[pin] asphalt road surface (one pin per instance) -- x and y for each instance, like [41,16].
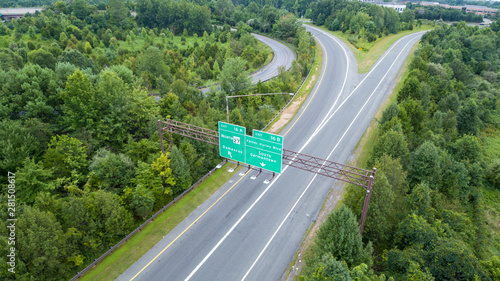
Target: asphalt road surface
[249,230]
[283,56]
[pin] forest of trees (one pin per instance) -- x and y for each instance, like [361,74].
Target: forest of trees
[426,219]
[99,4]
[368,22]
[79,125]
[79,130]
[364,21]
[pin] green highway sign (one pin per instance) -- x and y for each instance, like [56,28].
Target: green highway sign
[262,150]
[267,136]
[263,154]
[275,140]
[232,141]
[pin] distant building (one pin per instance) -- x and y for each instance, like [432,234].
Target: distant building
[398,7]
[15,13]
[429,3]
[480,10]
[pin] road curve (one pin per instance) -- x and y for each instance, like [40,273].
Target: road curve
[249,230]
[283,56]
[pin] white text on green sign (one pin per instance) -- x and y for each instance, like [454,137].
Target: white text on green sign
[263,154]
[263,144]
[267,136]
[232,141]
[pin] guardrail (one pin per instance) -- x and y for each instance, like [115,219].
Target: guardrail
[111,249]
[139,228]
[256,71]
[290,101]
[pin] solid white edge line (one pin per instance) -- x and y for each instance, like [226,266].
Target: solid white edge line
[242,217]
[343,102]
[329,155]
[265,191]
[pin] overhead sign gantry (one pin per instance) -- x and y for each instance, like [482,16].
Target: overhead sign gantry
[263,150]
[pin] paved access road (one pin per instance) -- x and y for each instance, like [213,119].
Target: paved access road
[249,230]
[283,56]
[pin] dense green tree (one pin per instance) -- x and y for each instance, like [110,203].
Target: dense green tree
[339,237]
[390,112]
[67,157]
[410,88]
[118,12]
[142,201]
[42,58]
[425,164]
[78,59]
[162,166]
[81,103]
[453,260]
[455,178]
[10,60]
[493,174]
[414,230]
[412,114]
[40,232]
[180,171]
[467,119]
[329,270]
[98,218]
[64,70]
[142,109]
[80,8]
[113,170]
[381,219]
[146,176]
[492,267]
[17,145]
[419,201]
[392,143]
[32,179]
[467,148]
[233,77]
[31,92]
[113,97]
[152,62]
[194,161]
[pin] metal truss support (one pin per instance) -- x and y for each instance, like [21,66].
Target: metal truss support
[338,171]
[184,129]
[367,201]
[327,168]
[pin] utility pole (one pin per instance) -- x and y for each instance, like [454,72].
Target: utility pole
[367,201]
[350,174]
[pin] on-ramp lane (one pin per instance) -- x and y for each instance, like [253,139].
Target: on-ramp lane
[283,57]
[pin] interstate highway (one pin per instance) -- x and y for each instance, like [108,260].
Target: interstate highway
[249,230]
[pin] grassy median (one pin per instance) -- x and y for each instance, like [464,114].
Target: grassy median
[116,263]
[361,155]
[291,111]
[367,56]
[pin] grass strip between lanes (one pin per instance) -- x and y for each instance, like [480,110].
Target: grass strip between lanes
[364,147]
[366,59]
[293,108]
[116,263]
[359,158]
